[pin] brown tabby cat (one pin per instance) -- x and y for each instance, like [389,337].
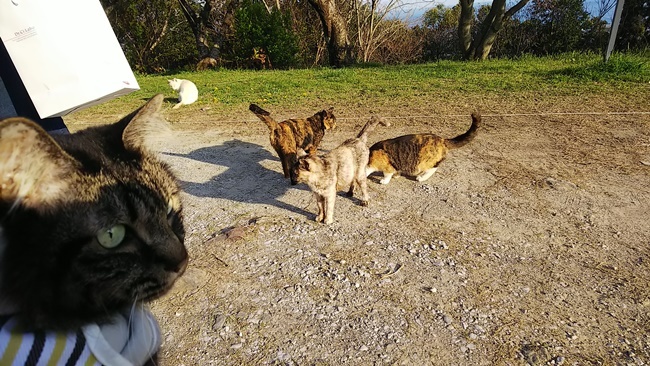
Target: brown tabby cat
[341,168]
[416,155]
[90,223]
[301,133]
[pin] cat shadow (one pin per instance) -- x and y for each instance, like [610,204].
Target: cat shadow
[245,178]
[376,177]
[173,100]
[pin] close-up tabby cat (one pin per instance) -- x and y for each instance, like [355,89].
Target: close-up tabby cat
[90,224]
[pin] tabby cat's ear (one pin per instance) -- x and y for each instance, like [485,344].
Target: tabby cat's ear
[146,127]
[34,169]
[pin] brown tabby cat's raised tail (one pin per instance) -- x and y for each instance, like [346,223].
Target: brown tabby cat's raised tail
[264,116]
[462,140]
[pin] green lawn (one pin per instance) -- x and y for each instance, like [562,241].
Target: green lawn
[624,81]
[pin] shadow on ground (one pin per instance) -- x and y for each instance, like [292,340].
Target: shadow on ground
[245,178]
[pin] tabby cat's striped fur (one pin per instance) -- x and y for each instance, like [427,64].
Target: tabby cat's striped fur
[90,223]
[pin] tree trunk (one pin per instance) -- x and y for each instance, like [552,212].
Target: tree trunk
[465,26]
[491,25]
[213,14]
[479,48]
[335,31]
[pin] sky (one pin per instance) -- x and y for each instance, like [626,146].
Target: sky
[416,8]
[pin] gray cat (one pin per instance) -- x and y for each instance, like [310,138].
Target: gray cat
[343,167]
[90,223]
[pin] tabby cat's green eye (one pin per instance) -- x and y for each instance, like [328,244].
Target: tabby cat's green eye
[111,237]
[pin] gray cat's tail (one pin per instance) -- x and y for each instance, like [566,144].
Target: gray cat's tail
[468,136]
[264,116]
[370,125]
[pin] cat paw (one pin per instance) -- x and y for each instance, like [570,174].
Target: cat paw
[364,203]
[328,221]
[384,181]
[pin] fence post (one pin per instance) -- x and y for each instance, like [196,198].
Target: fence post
[614,28]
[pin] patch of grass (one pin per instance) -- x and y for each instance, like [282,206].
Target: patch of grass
[225,91]
[624,68]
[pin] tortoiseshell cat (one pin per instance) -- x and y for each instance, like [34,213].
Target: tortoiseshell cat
[416,155]
[296,133]
[90,223]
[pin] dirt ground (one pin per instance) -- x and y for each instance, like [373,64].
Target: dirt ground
[530,245]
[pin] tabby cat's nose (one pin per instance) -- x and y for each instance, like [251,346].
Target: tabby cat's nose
[179,263]
[180,269]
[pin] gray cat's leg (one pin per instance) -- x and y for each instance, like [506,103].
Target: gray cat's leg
[320,202]
[363,184]
[329,208]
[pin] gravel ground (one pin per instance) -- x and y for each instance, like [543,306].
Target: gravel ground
[530,245]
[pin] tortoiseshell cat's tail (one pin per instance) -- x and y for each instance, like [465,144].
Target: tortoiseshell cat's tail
[468,136]
[264,116]
[370,125]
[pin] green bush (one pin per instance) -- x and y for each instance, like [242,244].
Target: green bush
[256,28]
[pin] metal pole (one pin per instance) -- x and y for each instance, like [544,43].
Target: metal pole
[614,28]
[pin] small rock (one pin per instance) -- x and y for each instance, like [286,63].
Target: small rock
[219,321]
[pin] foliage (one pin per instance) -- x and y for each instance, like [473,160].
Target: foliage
[440,26]
[256,28]
[177,49]
[559,25]
[517,37]
[401,46]
[546,27]
[595,35]
[157,36]
[380,37]
[151,33]
[634,30]
[312,49]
